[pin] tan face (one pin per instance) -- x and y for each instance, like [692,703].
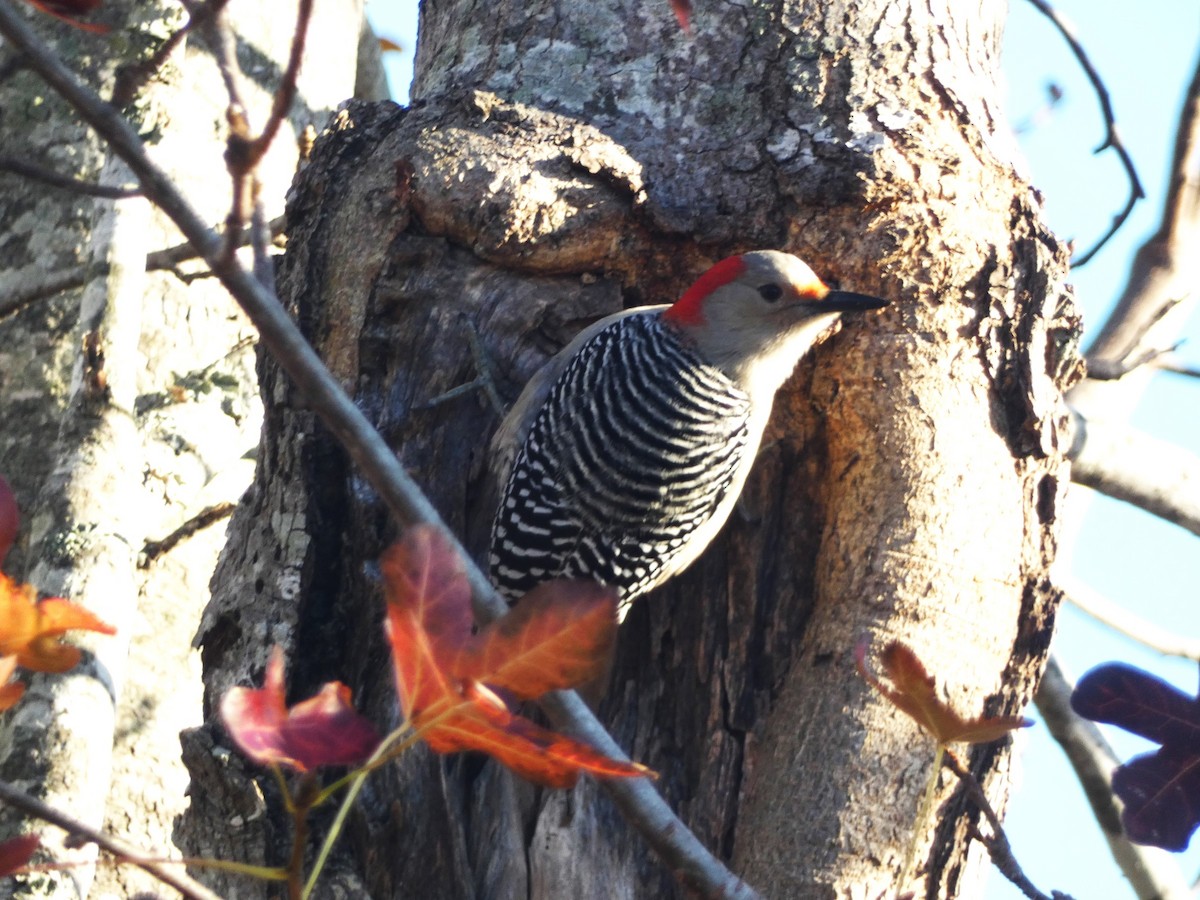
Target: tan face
[755,315]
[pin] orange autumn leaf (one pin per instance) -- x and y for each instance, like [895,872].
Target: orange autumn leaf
[560,635]
[69,11]
[428,616]
[484,723]
[10,691]
[31,629]
[562,639]
[914,693]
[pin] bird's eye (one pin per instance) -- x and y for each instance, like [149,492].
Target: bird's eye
[770,292]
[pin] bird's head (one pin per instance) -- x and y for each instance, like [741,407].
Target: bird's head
[754,315]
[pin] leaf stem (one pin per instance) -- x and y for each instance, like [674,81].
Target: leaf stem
[923,813]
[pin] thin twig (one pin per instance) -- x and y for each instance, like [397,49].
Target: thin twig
[1164,273]
[1106,369]
[41,174]
[1103,370]
[260,240]
[1183,187]
[1166,641]
[224,48]
[1111,138]
[54,284]
[642,806]
[190,889]
[171,257]
[131,78]
[484,381]
[210,515]
[75,276]
[285,94]
[1044,113]
[1170,362]
[997,845]
[243,152]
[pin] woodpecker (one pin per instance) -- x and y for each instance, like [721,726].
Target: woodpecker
[627,451]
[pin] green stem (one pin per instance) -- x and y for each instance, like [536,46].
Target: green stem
[265,873]
[923,813]
[382,754]
[379,758]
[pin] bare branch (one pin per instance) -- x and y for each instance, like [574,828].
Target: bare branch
[1154,637]
[131,78]
[1152,474]
[1183,191]
[243,152]
[74,277]
[55,283]
[1170,362]
[286,92]
[33,171]
[260,240]
[1153,873]
[1111,139]
[1100,369]
[640,803]
[210,515]
[998,848]
[190,889]
[171,257]
[221,42]
[1166,269]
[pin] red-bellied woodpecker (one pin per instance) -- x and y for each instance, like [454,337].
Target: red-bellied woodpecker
[627,451]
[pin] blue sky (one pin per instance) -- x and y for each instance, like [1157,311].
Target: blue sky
[1146,59]
[1146,53]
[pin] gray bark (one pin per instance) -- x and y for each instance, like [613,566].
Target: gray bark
[557,165]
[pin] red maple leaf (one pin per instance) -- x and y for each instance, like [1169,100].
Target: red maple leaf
[683,14]
[324,730]
[15,852]
[563,638]
[10,518]
[914,693]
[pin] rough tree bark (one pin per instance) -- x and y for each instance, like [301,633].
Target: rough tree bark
[557,164]
[128,399]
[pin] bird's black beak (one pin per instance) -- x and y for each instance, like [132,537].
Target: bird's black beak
[845,301]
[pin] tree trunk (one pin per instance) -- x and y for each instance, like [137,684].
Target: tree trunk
[556,166]
[128,398]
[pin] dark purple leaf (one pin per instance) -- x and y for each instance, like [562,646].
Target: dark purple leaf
[1138,702]
[1161,792]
